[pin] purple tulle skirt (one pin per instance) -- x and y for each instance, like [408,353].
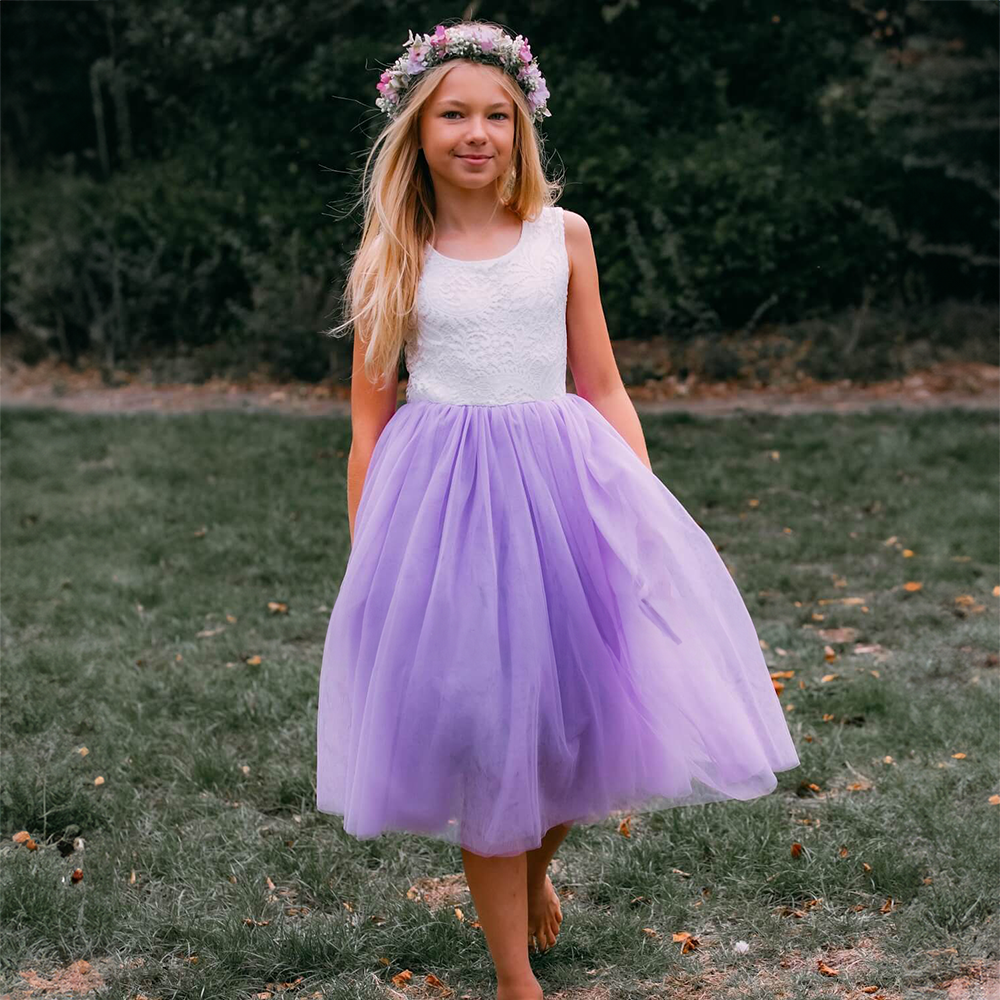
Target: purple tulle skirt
[532,630]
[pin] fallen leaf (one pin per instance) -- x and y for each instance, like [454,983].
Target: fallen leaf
[688,942]
[846,634]
[796,849]
[823,969]
[912,586]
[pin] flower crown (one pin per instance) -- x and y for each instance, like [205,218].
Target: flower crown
[481,43]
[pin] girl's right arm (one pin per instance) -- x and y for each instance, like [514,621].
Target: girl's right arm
[372,408]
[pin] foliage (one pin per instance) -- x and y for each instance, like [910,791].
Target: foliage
[181,174]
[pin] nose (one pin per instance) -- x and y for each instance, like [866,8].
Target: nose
[477,131]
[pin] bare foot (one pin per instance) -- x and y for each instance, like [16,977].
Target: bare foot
[527,991]
[544,915]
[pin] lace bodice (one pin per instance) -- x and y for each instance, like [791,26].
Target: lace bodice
[493,331]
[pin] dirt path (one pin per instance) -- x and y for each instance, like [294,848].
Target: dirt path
[965,385]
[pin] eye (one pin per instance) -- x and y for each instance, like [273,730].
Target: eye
[453,112]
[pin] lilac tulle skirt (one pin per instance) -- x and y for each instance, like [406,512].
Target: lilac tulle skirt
[532,630]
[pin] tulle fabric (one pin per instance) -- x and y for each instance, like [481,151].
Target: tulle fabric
[531,630]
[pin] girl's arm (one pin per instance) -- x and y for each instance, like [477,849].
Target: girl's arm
[588,345]
[372,408]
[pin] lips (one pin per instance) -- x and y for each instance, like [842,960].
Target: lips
[472,156]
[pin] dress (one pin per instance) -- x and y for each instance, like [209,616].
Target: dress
[531,629]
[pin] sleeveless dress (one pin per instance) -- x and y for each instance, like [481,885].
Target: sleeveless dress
[531,629]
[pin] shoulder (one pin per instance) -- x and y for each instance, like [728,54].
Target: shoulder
[579,244]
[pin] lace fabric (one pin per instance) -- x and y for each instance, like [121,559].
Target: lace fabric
[493,331]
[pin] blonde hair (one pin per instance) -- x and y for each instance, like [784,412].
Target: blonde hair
[398,196]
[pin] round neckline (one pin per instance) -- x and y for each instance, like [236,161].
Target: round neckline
[485,260]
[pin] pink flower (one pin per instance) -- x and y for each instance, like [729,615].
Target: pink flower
[525,52]
[440,37]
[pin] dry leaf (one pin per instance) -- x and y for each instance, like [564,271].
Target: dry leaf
[826,678]
[688,941]
[796,849]
[959,756]
[829,654]
[845,634]
[912,586]
[823,969]
[995,800]
[624,826]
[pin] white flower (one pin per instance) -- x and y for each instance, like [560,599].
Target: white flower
[742,947]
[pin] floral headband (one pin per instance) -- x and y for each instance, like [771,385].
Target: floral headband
[480,43]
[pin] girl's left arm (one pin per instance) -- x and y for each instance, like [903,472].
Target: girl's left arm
[588,344]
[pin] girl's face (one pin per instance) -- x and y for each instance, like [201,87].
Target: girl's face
[468,113]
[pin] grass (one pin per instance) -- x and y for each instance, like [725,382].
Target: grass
[207,871]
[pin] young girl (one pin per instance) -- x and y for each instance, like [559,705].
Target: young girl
[531,630]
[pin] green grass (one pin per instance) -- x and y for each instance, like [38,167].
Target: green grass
[108,579]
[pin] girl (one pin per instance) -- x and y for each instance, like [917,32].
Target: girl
[531,630]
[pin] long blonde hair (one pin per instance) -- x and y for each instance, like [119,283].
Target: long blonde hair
[398,196]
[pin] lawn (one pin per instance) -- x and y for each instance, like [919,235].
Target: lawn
[166,589]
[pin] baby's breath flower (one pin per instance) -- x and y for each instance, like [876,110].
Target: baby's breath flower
[481,43]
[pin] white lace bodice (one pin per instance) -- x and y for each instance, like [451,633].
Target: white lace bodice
[493,331]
